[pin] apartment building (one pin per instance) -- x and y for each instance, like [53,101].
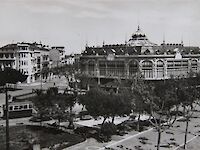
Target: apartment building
[29,58]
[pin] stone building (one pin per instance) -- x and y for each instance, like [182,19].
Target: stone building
[138,54]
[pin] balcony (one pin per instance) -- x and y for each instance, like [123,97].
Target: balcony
[8,58]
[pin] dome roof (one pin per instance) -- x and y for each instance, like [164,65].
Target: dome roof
[138,32]
[139,39]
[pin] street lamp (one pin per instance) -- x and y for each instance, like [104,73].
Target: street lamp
[7,113]
[7,119]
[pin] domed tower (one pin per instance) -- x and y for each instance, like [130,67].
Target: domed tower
[140,39]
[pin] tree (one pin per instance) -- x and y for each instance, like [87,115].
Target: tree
[43,103]
[54,105]
[94,102]
[12,76]
[9,75]
[161,102]
[106,104]
[70,101]
[45,72]
[187,95]
[119,103]
[140,92]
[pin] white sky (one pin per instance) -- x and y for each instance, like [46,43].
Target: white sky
[71,23]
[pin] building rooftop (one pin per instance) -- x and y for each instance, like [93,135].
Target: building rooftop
[32,46]
[139,44]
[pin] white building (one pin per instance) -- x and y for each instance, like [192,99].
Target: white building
[69,59]
[29,58]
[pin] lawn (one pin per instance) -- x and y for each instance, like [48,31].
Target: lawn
[22,138]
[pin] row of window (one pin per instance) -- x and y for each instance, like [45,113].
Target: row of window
[24,71]
[20,107]
[23,48]
[45,57]
[117,68]
[23,55]
[7,55]
[23,62]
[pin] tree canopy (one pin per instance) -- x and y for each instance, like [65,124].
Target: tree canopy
[9,75]
[99,102]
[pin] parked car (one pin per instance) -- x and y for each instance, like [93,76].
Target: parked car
[39,119]
[86,117]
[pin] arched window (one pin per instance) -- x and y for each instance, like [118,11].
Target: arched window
[147,69]
[102,68]
[115,68]
[177,68]
[120,67]
[91,67]
[194,65]
[133,67]
[160,69]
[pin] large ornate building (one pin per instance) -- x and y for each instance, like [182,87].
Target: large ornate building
[155,62]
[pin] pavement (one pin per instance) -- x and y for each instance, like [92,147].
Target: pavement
[173,137]
[61,83]
[93,122]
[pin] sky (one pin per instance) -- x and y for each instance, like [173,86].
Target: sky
[73,23]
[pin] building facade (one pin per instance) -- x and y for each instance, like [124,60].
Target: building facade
[29,58]
[57,56]
[154,62]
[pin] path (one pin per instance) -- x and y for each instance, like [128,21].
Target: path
[173,137]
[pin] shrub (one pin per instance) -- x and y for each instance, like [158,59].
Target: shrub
[108,129]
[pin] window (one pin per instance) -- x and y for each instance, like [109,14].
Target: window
[133,67]
[102,68]
[160,69]
[194,65]
[16,107]
[21,107]
[115,68]
[147,69]
[120,67]
[10,108]
[7,55]
[25,106]
[91,67]
[177,68]
[110,68]
[23,48]
[25,62]
[30,106]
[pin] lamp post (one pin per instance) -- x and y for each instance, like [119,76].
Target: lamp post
[7,114]
[7,119]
